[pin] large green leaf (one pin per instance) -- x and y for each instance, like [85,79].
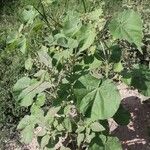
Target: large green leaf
[101,96]
[128,26]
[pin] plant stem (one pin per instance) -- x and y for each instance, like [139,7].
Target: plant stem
[45,18]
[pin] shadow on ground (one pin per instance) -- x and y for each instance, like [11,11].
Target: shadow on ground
[135,135]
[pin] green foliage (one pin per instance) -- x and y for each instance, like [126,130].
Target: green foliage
[92,92]
[128,26]
[65,92]
[70,67]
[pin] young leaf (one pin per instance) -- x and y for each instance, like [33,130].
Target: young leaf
[52,111]
[93,93]
[72,43]
[118,67]
[80,129]
[29,14]
[80,139]
[67,124]
[24,122]
[36,111]
[22,84]
[95,64]
[27,100]
[45,141]
[128,26]
[41,132]
[40,73]
[96,144]
[22,44]
[40,99]
[29,63]
[91,34]
[112,143]
[44,58]
[27,134]
[97,127]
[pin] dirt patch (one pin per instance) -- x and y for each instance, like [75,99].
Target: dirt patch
[134,136]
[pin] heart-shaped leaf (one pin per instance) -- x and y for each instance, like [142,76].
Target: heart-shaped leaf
[101,96]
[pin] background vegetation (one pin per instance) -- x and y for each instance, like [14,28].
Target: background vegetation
[12,61]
